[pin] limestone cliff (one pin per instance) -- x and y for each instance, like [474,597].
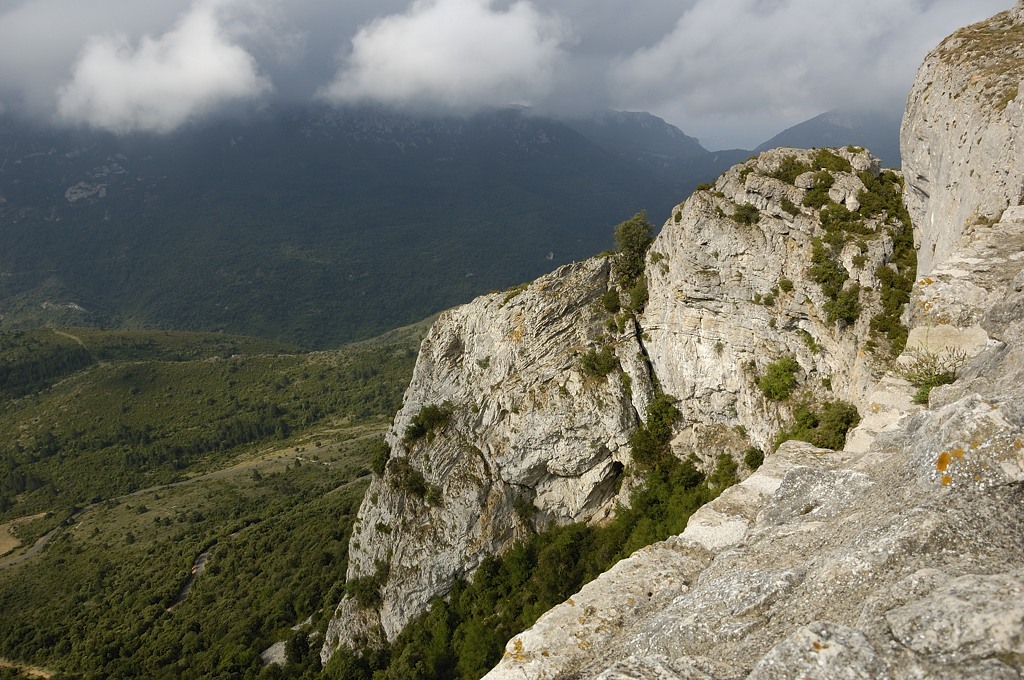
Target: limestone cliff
[523,435]
[897,557]
[528,439]
[961,138]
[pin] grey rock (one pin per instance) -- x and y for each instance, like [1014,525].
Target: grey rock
[822,651]
[895,558]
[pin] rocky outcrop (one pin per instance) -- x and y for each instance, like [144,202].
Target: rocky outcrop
[880,564]
[526,436]
[896,557]
[899,557]
[729,298]
[531,439]
[961,138]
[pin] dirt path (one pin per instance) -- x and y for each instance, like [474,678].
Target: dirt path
[8,540]
[71,337]
[197,570]
[30,671]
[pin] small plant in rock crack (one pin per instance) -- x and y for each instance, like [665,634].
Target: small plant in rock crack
[927,369]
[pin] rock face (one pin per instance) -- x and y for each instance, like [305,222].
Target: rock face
[529,437]
[531,440]
[897,557]
[961,137]
[727,299]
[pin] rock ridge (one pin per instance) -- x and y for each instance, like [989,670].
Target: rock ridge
[896,557]
[531,438]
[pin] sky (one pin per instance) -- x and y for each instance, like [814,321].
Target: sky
[732,73]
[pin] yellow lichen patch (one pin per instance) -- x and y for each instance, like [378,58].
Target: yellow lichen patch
[946,480]
[582,620]
[926,281]
[958,453]
[572,602]
[517,650]
[1018,445]
[943,462]
[518,332]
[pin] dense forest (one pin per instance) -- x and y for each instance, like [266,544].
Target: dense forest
[315,227]
[135,453]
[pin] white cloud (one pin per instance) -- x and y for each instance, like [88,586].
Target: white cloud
[162,82]
[453,53]
[761,65]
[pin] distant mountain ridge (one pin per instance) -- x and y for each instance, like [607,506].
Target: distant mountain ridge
[318,226]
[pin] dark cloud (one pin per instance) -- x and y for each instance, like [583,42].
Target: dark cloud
[732,72]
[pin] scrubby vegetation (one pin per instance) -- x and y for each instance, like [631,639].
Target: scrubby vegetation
[779,379]
[430,419]
[817,195]
[927,370]
[462,636]
[142,409]
[789,169]
[159,407]
[824,424]
[598,363]
[747,214]
[105,600]
[633,238]
[883,198]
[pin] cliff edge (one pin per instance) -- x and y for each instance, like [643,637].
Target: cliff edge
[897,556]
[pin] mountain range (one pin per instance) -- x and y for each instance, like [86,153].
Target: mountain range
[319,226]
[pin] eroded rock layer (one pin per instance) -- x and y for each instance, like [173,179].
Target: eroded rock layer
[896,557]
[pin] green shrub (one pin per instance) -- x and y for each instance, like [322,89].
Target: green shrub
[817,195]
[598,364]
[746,214]
[425,423]
[789,206]
[785,285]
[724,474]
[407,478]
[649,442]
[845,306]
[824,425]
[380,453]
[830,160]
[927,370]
[365,590]
[753,458]
[638,295]
[610,301]
[632,239]
[779,379]
[789,169]
[837,218]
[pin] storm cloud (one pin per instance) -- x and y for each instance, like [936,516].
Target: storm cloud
[731,72]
